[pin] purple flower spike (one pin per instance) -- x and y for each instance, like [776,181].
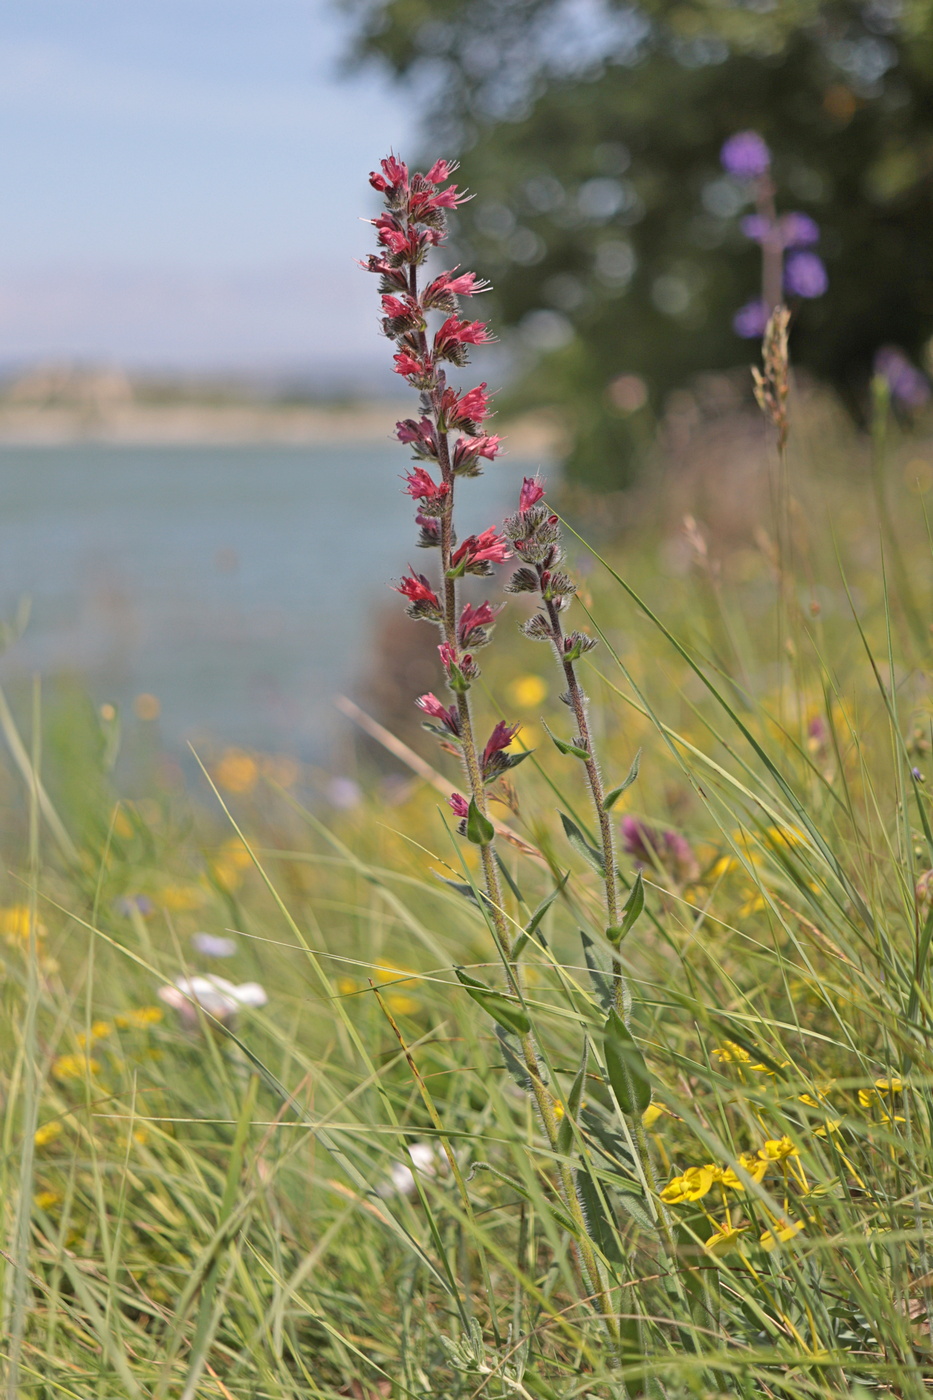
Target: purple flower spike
[750,320]
[799,230]
[650,845]
[756,227]
[745,155]
[805,275]
[907,385]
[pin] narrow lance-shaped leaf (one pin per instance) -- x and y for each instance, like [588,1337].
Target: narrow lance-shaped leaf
[580,844]
[506,1012]
[531,927]
[563,747]
[479,829]
[625,1065]
[574,1099]
[602,982]
[630,912]
[612,797]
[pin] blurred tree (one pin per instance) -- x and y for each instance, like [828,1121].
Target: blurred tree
[591,130]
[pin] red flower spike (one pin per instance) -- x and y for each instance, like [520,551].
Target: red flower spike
[531,493]
[438,710]
[422,432]
[407,364]
[454,333]
[459,805]
[468,411]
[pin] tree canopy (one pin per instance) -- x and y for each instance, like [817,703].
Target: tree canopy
[592,133]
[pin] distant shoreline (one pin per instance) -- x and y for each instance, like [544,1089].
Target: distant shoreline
[187,424]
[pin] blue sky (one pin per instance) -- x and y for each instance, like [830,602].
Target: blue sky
[183,181]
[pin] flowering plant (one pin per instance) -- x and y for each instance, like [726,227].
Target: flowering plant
[448,442]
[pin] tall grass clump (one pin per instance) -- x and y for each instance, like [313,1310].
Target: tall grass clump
[607,1077]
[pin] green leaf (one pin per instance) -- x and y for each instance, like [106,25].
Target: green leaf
[502,1009]
[602,983]
[479,829]
[467,891]
[633,1201]
[625,1065]
[574,1099]
[514,759]
[580,844]
[612,798]
[507,877]
[599,1227]
[531,928]
[563,747]
[630,912]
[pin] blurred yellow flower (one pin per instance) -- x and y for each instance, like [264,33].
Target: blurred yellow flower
[526,692]
[731,1053]
[74,1067]
[752,1164]
[346,986]
[781,1234]
[653,1112]
[14,924]
[45,1200]
[754,904]
[722,867]
[778,1150]
[691,1185]
[725,1239]
[179,899]
[122,826]
[47,1133]
[99,1031]
[403,1006]
[139,1019]
[237,771]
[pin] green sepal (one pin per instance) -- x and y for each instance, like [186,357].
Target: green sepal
[479,829]
[563,747]
[502,1009]
[612,798]
[580,844]
[625,1065]
[630,912]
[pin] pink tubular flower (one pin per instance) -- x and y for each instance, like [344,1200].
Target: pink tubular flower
[499,739]
[459,805]
[407,364]
[487,548]
[441,170]
[472,624]
[394,175]
[454,333]
[417,590]
[399,309]
[421,486]
[467,450]
[421,433]
[531,492]
[466,285]
[466,412]
[438,710]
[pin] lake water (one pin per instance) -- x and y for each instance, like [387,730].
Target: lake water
[235,584]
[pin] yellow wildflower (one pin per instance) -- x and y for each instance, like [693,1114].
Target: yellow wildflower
[526,692]
[889,1086]
[788,835]
[74,1067]
[346,986]
[692,1185]
[45,1200]
[403,1006]
[766,1069]
[99,1031]
[653,1112]
[722,867]
[752,1164]
[754,904]
[725,1239]
[140,1018]
[237,771]
[180,899]
[778,1150]
[832,1125]
[14,924]
[781,1234]
[730,1052]
[47,1133]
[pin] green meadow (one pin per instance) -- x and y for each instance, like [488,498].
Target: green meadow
[346,1190]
